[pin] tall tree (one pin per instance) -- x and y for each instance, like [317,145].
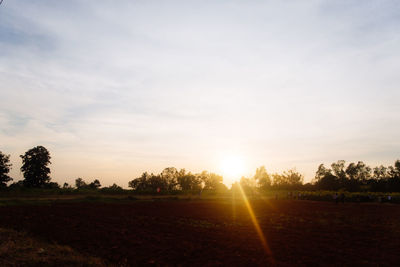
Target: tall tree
[248,184]
[339,170]
[324,179]
[379,172]
[170,175]
[34,167]
[188,181]
[211,181]
[5,167]
[394,177]
[263,178]
[293,178]
[359,171]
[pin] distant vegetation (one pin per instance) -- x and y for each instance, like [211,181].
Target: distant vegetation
[352,177]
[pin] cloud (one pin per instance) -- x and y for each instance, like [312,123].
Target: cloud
[178,82]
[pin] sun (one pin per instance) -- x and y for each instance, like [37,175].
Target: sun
[232,168]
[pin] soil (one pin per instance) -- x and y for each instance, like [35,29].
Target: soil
[218,232]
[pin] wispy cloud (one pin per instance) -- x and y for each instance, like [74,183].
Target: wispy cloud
[131,85]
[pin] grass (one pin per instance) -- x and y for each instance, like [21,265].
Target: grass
[37,198]
[20,249]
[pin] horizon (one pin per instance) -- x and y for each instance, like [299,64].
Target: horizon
[231,170]
[116,89]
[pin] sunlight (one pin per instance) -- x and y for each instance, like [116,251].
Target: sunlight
[232,168]
[255,222]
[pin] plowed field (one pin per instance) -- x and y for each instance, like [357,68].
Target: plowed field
[218,232]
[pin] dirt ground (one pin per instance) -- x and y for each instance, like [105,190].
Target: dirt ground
[217,232]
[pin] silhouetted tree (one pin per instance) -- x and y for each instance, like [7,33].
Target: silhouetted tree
[16,185]
[357,176]
[277,180]
[170,176]
[378,182]
[293,178]
[95,184]
[379,173]
[80,183]
[325,180]
[112,188]
[140,183]
[188,181]
[211,181]
[322,171]
[5,167]
[338,169]
[262,178]
[51,185]
[34,167]
[394,177]
[149,183]
[134,184]
[248,184]
[290,179]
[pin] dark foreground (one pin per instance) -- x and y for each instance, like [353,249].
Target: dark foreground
[217,232]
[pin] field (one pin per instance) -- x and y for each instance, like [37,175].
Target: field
[203,232]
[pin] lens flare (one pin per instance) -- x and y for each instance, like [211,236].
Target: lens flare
[255,222]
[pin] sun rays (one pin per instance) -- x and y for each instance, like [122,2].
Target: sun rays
[254,220]
[232,168]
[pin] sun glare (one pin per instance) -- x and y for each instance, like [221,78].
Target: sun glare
[232,168]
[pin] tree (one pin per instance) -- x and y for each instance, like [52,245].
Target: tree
[170,175]
[359,171]
[325,180]
[149,183]
[277,180]
[52,185]
[321,173]
[293,178]
[34,167]
[95,184]
[358,176]
[339,171]
[80,183]
[211,181]
[188,181]
[263,178]
[288,180]
[248,184]
[5,167]
[394,177]
[394,172]
[379,173]
[16,185]
[112,188]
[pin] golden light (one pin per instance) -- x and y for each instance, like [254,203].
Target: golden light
[232,168]
[256,225]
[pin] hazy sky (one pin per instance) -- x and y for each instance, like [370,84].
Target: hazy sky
[115,88]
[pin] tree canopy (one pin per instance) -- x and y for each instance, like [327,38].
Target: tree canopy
[170,179]
[5,167]
[358,177]
[354,176]
[35,167]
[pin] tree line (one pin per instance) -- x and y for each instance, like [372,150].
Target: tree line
[356,177]
[352,177]
[170,179]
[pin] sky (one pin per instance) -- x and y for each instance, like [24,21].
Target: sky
[116,88]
